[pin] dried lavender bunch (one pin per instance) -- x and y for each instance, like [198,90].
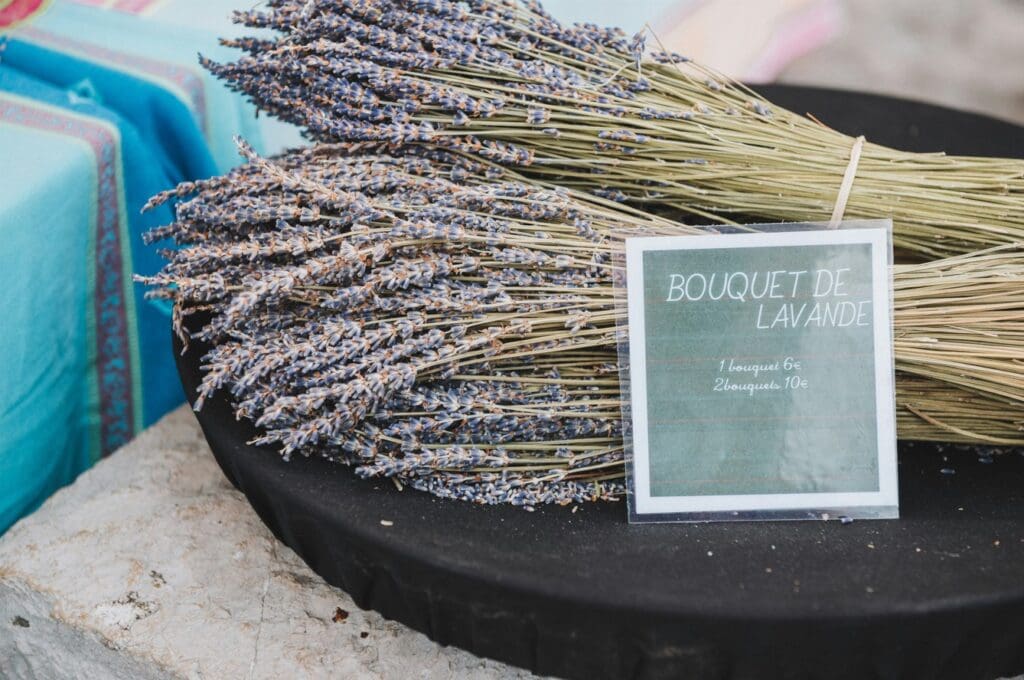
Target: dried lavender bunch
[586,107]
[426,317]
[347,292]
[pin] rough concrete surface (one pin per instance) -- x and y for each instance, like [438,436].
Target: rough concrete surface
[152,566]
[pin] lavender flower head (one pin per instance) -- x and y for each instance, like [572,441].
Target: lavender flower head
[405,312]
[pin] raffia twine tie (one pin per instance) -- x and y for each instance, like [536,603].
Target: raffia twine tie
[847,185]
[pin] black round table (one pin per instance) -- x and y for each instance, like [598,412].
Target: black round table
[582,594]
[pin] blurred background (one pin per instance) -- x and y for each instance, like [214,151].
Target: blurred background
[103,104]
[966,54]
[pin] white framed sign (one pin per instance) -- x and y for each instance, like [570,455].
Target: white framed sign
[760,374]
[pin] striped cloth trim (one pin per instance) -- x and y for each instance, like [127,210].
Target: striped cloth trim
[112,314]
[126,6]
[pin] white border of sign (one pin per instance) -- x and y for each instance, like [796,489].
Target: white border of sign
[888,494]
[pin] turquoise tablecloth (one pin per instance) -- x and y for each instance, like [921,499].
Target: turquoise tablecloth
[102,104]
[99,110]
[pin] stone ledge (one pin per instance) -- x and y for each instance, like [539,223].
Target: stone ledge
[152,566]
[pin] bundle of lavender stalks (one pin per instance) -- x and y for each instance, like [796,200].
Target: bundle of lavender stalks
[588,108]
[425,317]
[427,293]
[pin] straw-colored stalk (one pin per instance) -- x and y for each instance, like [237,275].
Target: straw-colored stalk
[958,322]
[958,338]
[585,108]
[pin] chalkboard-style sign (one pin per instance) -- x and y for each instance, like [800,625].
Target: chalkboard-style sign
[760,373]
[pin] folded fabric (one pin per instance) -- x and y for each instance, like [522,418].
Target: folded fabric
[99,110]
[147,72]
[88,360]
[215,17]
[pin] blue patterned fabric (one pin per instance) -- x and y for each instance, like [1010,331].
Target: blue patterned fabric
[99,110]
